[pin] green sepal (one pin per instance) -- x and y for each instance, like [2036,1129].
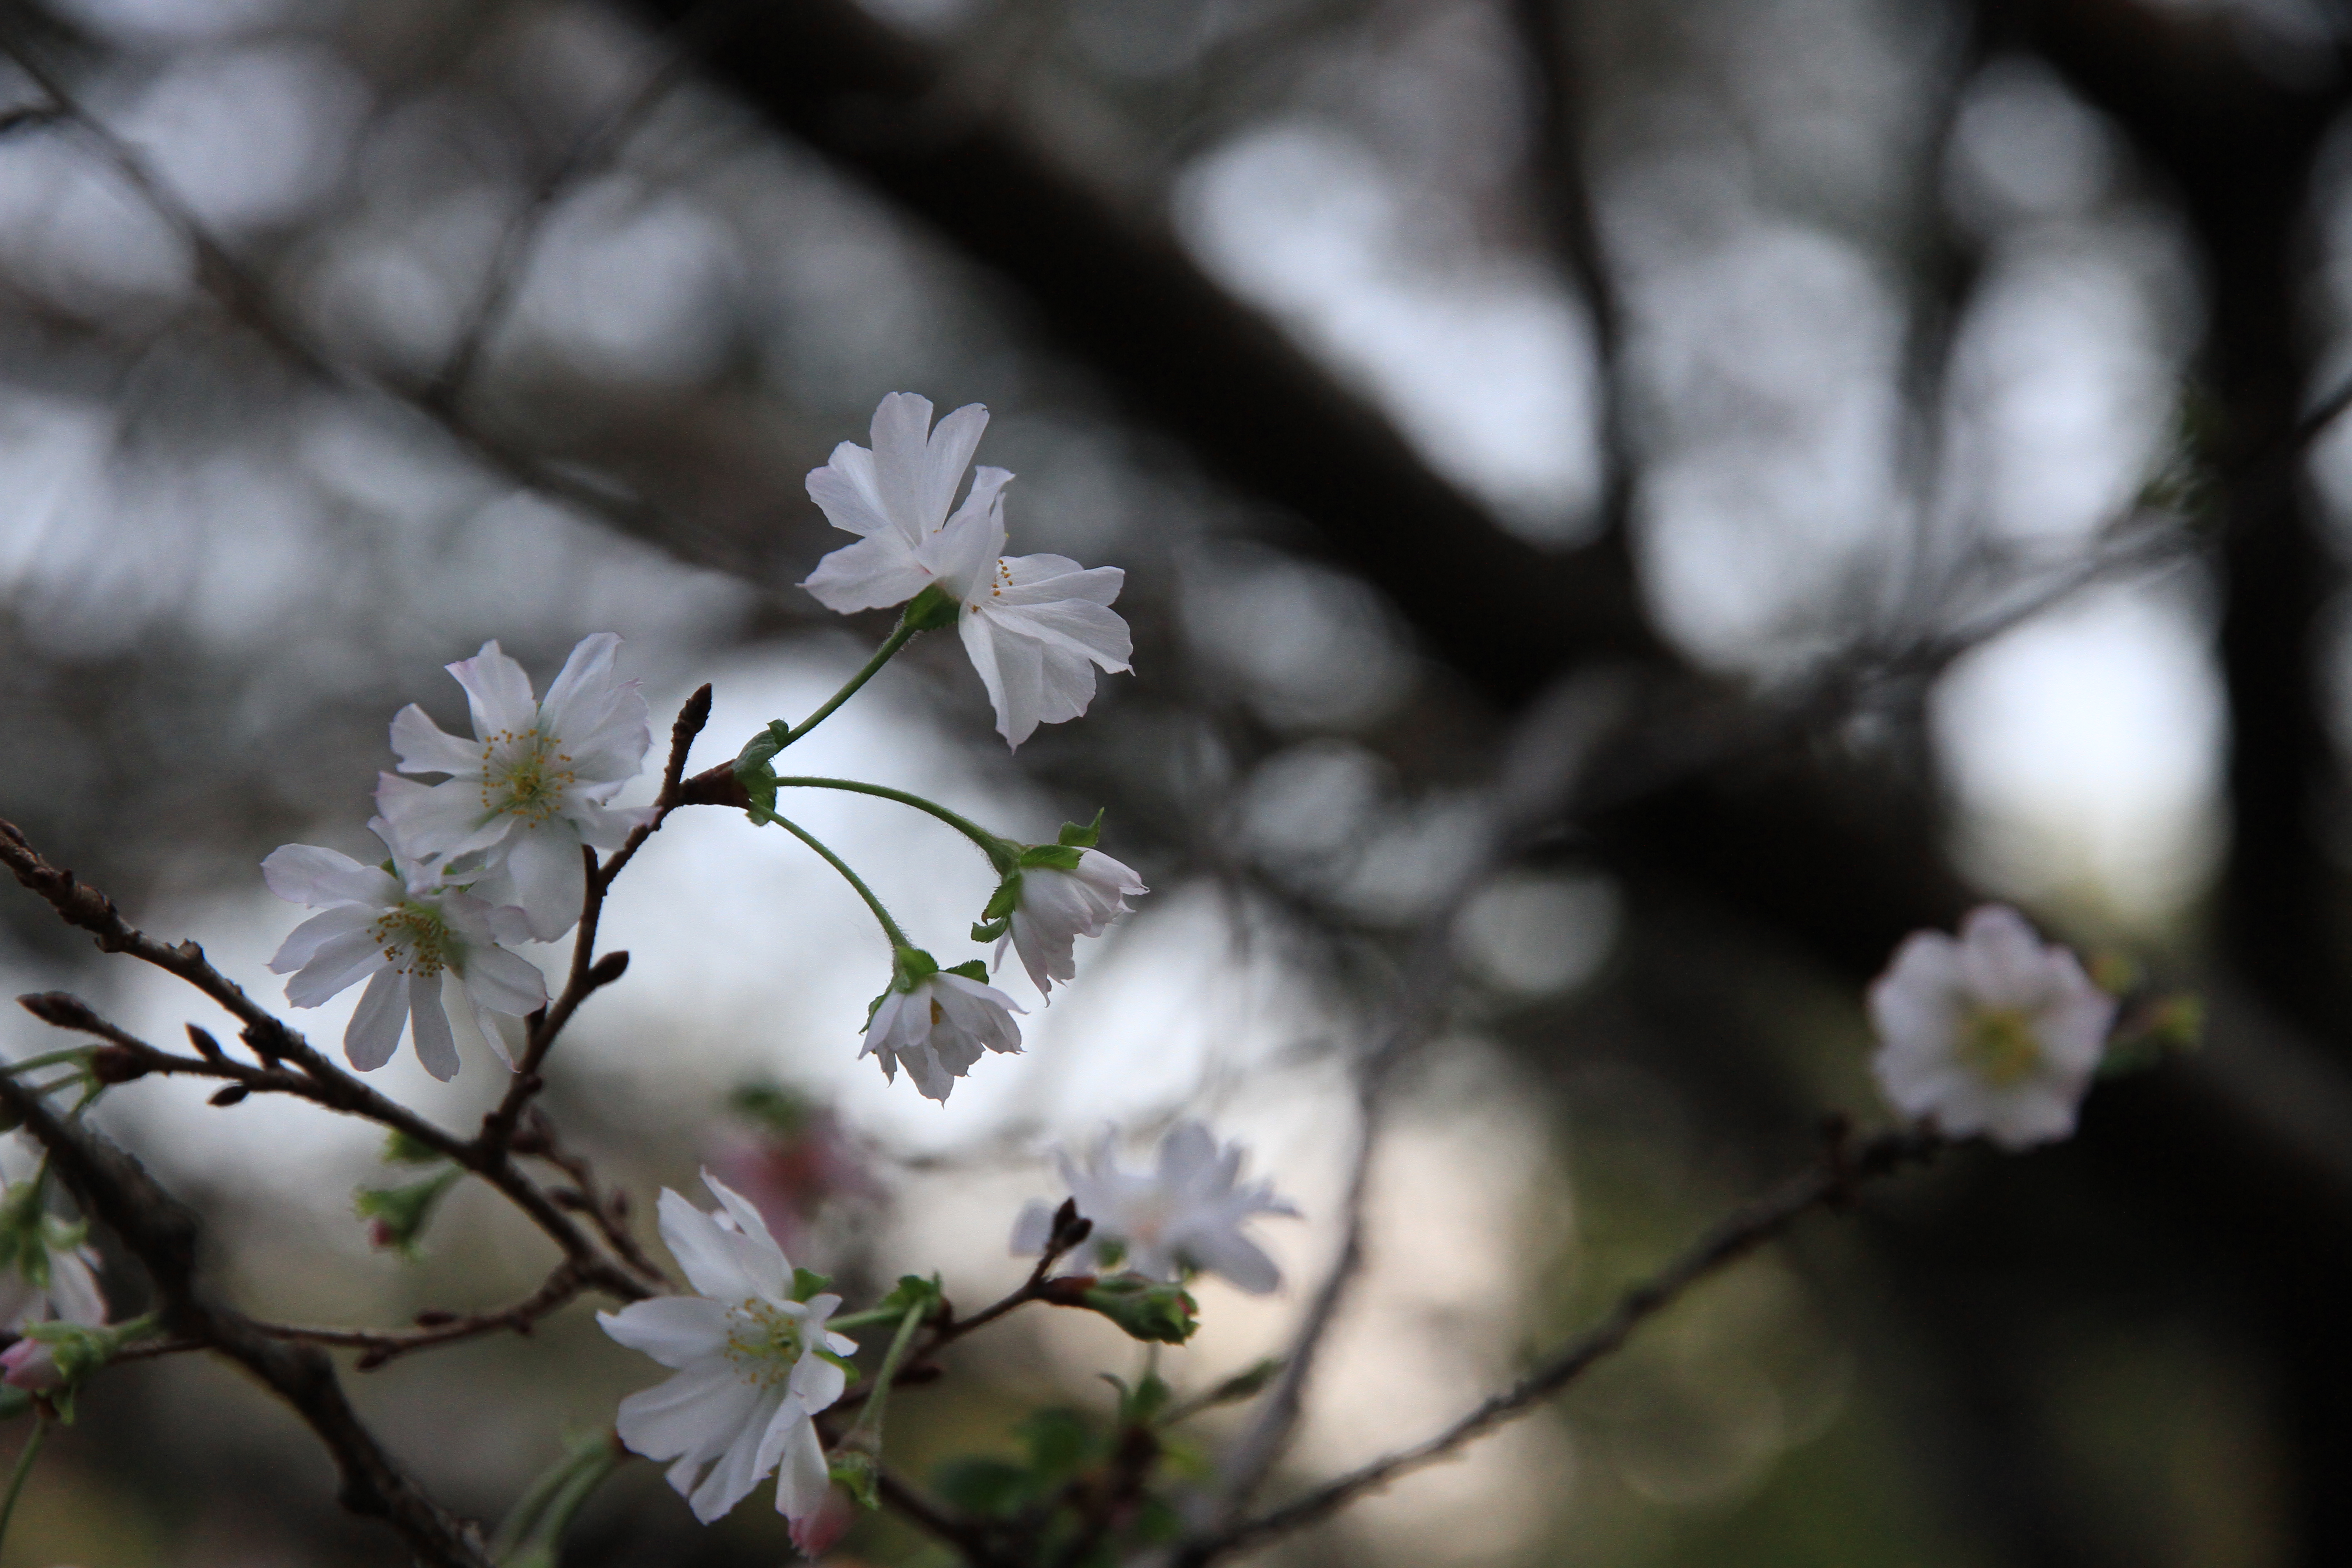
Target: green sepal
[405,1211]
[400,1149]
[913,1290]
[1005,900]
[855,1473]
[753,772]
[1085,837]
[1051,857]
[807,1282]
[848,1367]
[990,931]
[934,609]
[970,968]
[909,967]
[1146,1309]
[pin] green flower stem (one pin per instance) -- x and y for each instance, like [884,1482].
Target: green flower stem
[868,1426]
[533,1529]
[889,927]
[1002,853]
[865,1319]
[899,638]
[78,1054]
[31,1451]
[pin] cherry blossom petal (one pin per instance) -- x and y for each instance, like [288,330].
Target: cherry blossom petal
[497,690]
[307,874]
[339,963]
[679,1331]
[374,1030]
[428,1025]
[424,747]
[504,981]
[703,1252]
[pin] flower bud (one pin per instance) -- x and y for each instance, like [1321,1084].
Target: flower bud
[1145,1309]
[32,1366]
[816,1534]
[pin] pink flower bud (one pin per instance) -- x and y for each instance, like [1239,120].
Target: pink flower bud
[32,1366]
[816,1534]
[382,1237]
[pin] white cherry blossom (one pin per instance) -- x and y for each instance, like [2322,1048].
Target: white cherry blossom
[403,934]
[47,1272]
[1994,1034]
[532,787]
[1034,625]
[1186,1212]
[1057,907]
[897,496]
[749,1373]
[936,1026]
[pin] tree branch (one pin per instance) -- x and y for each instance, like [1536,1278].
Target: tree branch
[1831,1183]
[115,1190]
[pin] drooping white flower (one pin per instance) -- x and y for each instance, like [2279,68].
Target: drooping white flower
[749,1373]
[1035,626]
[934,1023]
[531,787]
[1056,907]
[1186,1212]
[1994,1034]
[402,933]
[897,497]
[46,1270]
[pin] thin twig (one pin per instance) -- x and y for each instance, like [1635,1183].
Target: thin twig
[1830,1183]
[381,1346]
[318,1079]
[154,1228]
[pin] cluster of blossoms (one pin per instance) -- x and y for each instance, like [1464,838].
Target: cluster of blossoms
[477,865]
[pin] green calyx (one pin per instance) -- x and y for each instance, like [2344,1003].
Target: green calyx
[401,1214]
[934,609]
[1075,839]
[1146,1309]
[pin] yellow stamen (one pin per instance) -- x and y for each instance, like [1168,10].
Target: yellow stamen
[1997,1043]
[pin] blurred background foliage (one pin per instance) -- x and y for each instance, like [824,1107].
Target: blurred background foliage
[1411,356]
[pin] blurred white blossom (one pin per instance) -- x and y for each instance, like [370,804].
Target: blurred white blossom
[1994,1034]
[1186,1212]
[752,1362]
[531,788]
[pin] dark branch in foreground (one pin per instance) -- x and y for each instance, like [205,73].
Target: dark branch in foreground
[115,1190]
[1831,1183]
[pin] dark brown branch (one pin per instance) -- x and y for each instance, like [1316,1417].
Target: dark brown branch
[116,1191]
[318,1079]
[588,972]
[1831,1183]
[1111,283]
[380,1346]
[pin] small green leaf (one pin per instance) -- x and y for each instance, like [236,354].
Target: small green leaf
[910,967]
[1085,837]
[970,968]
[912,1290]
[807,1282]
[989,930]
[771,1105]
[1060,1443]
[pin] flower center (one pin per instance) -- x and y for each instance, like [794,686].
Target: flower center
[765,1341]
[414,939]
[1997,1043]
[524,775]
